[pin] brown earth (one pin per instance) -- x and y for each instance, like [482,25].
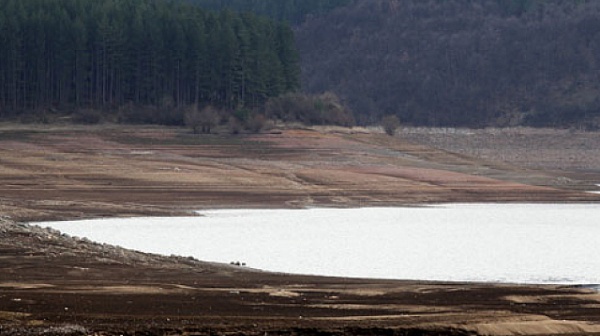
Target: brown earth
[67,172]
[567,152]
[52,284]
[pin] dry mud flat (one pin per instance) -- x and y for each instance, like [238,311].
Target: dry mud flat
[54,173]
[52,284]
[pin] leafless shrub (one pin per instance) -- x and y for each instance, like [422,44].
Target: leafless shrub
[256,123]
[235,126]
[390,124]
[203,120]
[337,112]
[324,109]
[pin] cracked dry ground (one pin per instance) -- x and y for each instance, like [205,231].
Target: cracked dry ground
[52,284]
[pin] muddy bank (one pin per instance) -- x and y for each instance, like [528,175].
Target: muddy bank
[53,284]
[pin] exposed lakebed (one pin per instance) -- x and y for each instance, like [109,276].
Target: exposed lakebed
[517,243]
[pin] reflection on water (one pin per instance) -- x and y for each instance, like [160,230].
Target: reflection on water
[523,243]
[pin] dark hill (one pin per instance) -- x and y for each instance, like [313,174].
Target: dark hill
[294,11]
[467,63]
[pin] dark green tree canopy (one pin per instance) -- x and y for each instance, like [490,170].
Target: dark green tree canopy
[294,11]
[109,53]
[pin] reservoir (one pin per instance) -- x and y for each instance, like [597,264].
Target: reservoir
[511,243]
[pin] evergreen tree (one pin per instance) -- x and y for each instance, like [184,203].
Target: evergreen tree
[78,54]
[294,11]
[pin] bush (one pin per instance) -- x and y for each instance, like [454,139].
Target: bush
[167,116]
[38,116]
[324,109]
[242,115]
[203,120]
[290,107]
[191,119]
[390,124]
[256,123]
[164,114]
[235,127]
[136,114]
[131,114]
[87,116]
[335,112]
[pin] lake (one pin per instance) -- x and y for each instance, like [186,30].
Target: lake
[514,243]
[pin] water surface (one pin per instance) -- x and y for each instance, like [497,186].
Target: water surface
[519,243]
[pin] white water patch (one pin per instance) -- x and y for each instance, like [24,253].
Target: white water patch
[516,243]
[594,191]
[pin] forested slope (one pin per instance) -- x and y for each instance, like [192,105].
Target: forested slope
[431,62]
[294,11]
[104,54]
[459,62]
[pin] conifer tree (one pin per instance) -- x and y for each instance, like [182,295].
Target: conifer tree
[78,54]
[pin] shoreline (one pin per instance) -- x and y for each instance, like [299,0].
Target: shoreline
[248,217]
[121,172]
[135,284]
[131,171]
[195,212]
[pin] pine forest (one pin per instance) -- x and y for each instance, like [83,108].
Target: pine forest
[110,53]
[294,11]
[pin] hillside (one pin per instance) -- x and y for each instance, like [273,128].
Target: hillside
[432,63]
[294,11]
[70,172]
[470,63]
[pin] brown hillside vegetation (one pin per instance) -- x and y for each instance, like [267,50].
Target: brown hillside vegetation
[459,62]
[53,284]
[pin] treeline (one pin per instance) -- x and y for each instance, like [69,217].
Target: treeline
[294,11]
[105,54]
[459,62]
[520,7]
